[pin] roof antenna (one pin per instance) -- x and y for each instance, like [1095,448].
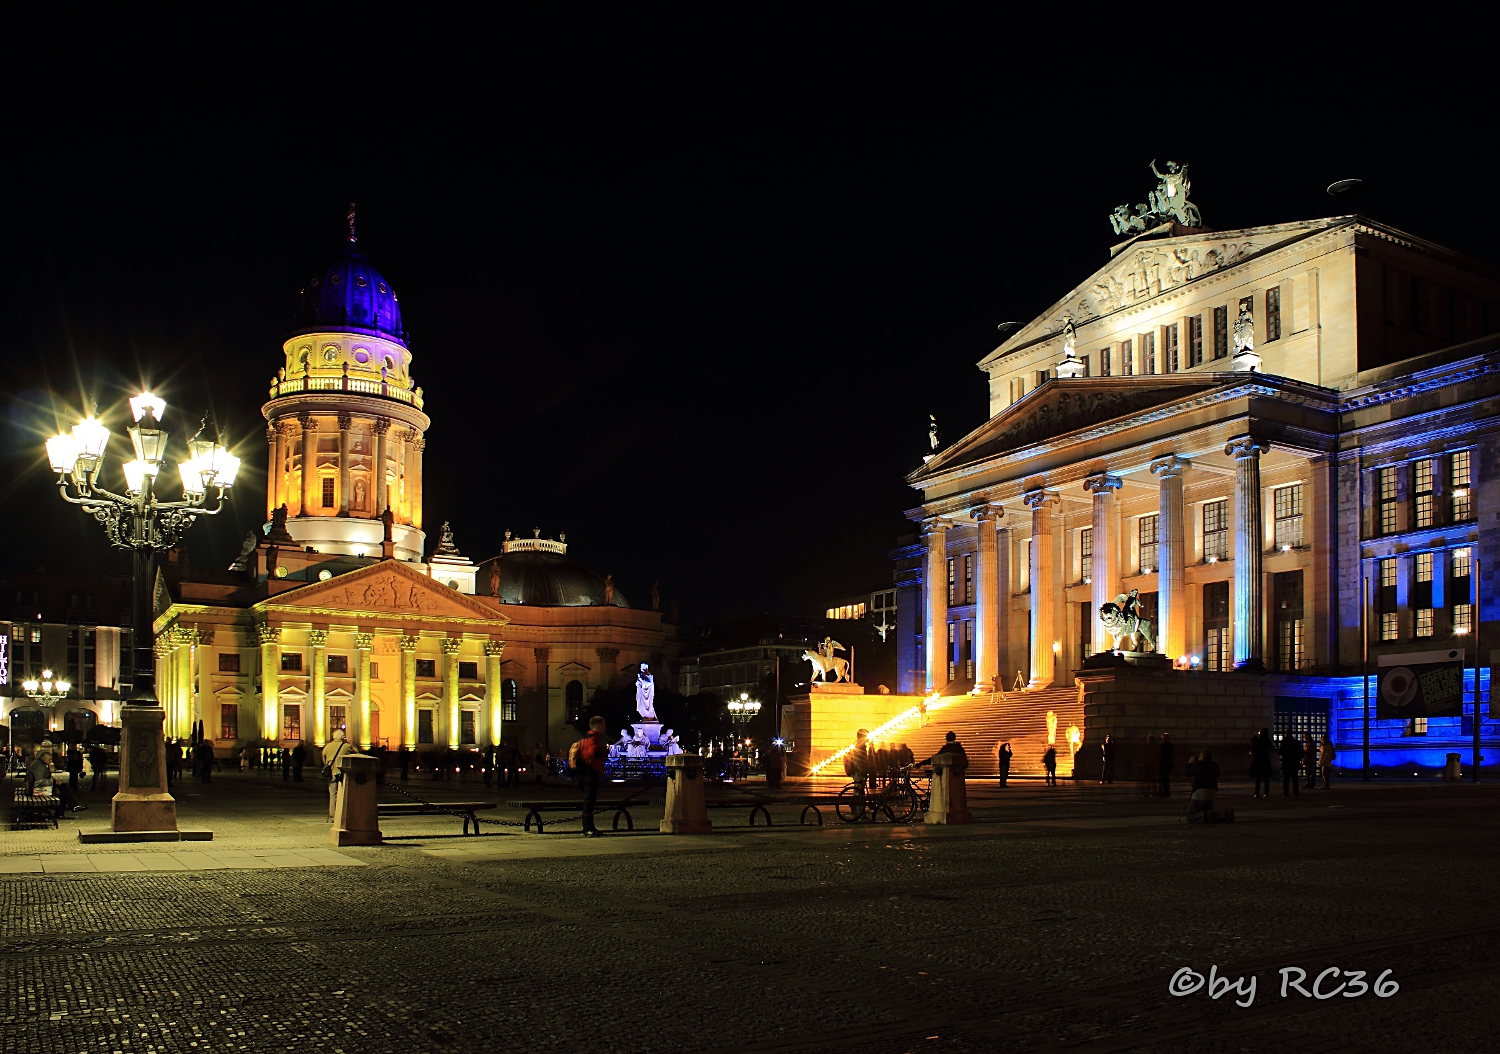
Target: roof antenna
[352,238]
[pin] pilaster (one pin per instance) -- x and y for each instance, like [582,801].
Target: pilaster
[317,640]
[270,680]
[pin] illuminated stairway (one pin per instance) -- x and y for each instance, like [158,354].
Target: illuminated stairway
[983,722]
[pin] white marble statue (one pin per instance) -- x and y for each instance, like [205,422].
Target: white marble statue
[645,694]
[670,741]
[621,746]
[639,744]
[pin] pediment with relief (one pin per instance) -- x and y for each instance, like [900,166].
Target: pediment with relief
[1056,410]
[388,588]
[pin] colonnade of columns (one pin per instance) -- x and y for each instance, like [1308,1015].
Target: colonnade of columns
[398,452]
[1172,606]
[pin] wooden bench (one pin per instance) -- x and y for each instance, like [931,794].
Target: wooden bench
[25,805]
[464,809]
[534,810]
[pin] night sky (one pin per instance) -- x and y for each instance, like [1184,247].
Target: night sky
[685,291]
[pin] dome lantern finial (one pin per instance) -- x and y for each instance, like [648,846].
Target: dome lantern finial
[352,238]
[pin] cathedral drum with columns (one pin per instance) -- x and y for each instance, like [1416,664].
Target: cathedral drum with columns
[331,619]
[1273,444]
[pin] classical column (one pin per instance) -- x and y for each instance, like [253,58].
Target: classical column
[273,468]
[161,652]
[346,455]
[379,478]
[1248,532]
[1043,658]
[309,462]
[270,680]
[408,475]
[203,639]
[409,691]
[418,445]
[318,640]
[494,712]
[365,642]
[1104,572]
[1171,636]
[185,644]
[987,600]
[451,647]
[935,628]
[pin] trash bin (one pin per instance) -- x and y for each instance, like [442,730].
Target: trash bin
[1451,771]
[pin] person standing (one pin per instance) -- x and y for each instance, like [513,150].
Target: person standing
[1326,754]
[174,761]
[1260,762]
[1167,756]
[1291,762]
[299,757]
[1107,756]
[1310,759]
[99,763]
[1006,753]
[592,750]
[1146,767]
[75,766]
[404,756]
[286,764]
[539,761]
[331,752]
[204,758]
[1049,762]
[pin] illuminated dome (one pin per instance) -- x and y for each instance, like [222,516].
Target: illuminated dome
[547,579]
[350,296]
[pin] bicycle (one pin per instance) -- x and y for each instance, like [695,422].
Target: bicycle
[900,802]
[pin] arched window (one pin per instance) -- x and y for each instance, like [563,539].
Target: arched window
[510,696]
[573,697]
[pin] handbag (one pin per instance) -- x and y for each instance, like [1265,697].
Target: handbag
[328,768]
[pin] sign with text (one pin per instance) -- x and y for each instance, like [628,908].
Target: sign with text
[1421,684]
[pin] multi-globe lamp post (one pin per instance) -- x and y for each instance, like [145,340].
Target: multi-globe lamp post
[47,691]
[143,523]
[741,710]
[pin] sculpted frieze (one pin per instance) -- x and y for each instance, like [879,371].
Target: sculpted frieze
[1071,411]
[1152,271]
[372,593]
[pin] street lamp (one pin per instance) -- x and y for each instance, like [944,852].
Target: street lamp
[47,692]
[137,520]
[743,709]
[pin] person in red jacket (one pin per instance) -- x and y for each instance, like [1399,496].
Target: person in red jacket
[592,750]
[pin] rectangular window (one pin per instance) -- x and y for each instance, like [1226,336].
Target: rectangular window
[374,671]
[328,492]
[1286,598]
[291,721]
[337,719]
[1216,530]
[468,671]
[1389,626]
[426,667]
[1148,353]
[968,649]
[1416,726]
[950,581]
[1459,476]
[1147,535]
[1386,492]
[1385,599]
[291,661]
[510,712]
[1221,332]
[1169,348]
[1463,618]
[1127,358]
[1422,490]
[1287,502]
[1104,362]
[968,578]
[1273,313]
[1086,553]
[229,721]
[951,671]
[1421,592]
[338,664]
[1195,341]
[466,727]
[1424,622]
[229,662]
[424,726]
[1218,645]
[1459,563]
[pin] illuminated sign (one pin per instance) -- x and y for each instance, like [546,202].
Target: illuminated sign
[4,658]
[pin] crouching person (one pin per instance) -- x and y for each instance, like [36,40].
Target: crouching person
[1205,791]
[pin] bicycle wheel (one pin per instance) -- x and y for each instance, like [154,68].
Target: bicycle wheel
[850,805]
[904,804]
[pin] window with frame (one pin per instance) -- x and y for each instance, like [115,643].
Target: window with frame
[1424,502]
[467,719]
[968,578]
[229,721]
[426,667]
[1127,358]
[424,727]
[1147,535]
[1287,506]
[968,649]
[1104,362]
[338,719]
[291,661]
[468,671]
[1169,348]
[1460,588]
[1195,341]
[1286,591]
[510,697]
[1218,645]
[1221,332]
[1148,353]
[1387,492]
[338,664]
[951,671]
[950,581]
[1216,530]
[1086,554]
[291,721]
[229,662]
[1415,726]
[1273,313]
[1460,474]
[328,492]
[374,671]
[1385,599]
[1421,594]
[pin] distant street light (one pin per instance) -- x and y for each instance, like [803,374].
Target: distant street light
[138,521]
[47,692]
[741,710]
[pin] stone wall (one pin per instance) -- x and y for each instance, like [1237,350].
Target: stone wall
[826,721]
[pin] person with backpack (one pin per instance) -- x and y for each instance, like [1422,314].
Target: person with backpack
[586,757]
[331,752]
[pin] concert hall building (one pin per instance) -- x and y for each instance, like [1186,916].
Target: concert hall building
[1283,437]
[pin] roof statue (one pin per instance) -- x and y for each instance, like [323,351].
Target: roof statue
[446,546]
[1245,359]
[932,437]
[1168,202]
[1071,365]
[825,662]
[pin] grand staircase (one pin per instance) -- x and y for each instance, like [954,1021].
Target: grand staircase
[983,722]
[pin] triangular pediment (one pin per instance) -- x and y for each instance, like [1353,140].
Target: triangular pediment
[228,689]
[1060,408]
[389,588]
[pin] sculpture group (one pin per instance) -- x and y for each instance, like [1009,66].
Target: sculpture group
[1121,618]
[824,661]
[1167,202]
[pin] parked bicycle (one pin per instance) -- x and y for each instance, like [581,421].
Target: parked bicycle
[901,801]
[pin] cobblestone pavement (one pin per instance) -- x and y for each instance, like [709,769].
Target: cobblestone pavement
[1055,922]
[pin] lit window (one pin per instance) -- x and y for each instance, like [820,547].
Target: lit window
[1416,726]
[1273,313]
[1169,349]
[1288,506]
[1148,542]
[1424,622]
[1459,482]
[1127,358]
[1148,352]
[1388,626]
[1221,332]
[1424,567]
[1216,530]
[1422,489]
[1385,487]
[1086,553]
[1463,618]
[950,581]
[328,493]
[1461,562]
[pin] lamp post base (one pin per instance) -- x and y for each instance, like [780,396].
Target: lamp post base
[143,803]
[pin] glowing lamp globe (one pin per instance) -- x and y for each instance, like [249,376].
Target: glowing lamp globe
[91,439]
[146,403]
[62,452]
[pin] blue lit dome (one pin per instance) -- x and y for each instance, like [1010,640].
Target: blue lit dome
[350,295]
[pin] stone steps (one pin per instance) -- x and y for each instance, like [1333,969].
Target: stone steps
[983,722]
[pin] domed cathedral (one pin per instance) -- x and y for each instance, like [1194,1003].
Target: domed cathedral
[329,618]
[345,424]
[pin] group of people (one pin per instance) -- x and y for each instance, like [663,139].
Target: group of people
[1307,757]
[198,752]
[42,778]
[874,764]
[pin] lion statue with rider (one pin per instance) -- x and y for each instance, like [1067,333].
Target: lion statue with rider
[1122,619]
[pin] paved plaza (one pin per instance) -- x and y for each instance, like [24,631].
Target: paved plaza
[1055,922]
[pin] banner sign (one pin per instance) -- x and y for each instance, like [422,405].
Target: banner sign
[1421,684]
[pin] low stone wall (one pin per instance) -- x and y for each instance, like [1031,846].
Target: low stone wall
[824,722]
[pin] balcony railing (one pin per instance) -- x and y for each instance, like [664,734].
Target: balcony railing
[336,383]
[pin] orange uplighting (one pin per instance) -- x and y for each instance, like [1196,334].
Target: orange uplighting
[900,721]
